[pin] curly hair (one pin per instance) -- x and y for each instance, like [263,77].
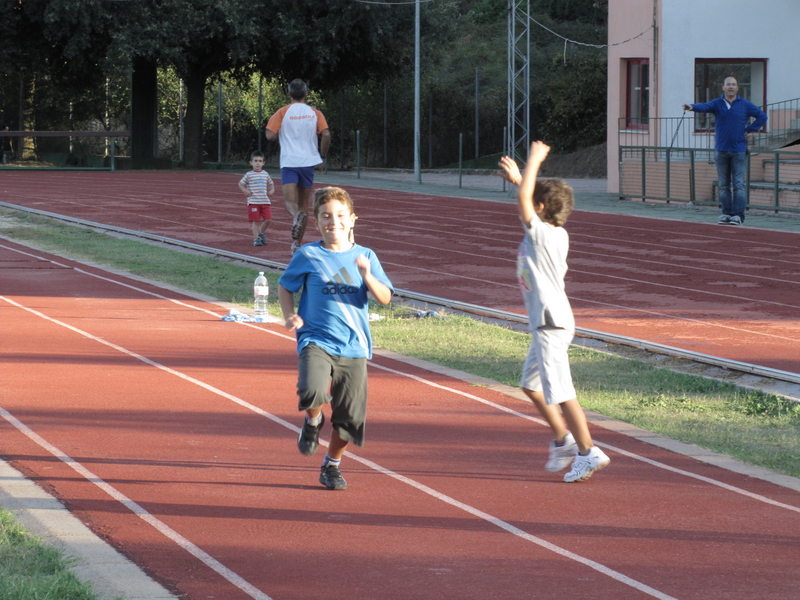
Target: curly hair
[558,199]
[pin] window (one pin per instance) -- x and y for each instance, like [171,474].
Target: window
[638,93]
[710,74]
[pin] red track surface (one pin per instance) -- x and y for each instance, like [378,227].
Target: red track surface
[724,291]
[176,438]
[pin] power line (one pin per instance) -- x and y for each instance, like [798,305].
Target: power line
[567,40]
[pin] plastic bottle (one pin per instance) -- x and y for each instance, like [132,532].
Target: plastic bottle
[261,296]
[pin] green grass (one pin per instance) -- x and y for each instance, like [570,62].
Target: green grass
[752,426]
[31,570]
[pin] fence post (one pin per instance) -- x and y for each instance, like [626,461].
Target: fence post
[505,151]
[644,173]
[358,154]
[691,177]
[777,181]
[669,150]
[219,124]
[460,155]
[619,168]
[113,152]
[259,128]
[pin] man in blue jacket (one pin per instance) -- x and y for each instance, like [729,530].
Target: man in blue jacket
[731,113]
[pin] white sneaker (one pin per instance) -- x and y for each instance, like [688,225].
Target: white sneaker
[561,456]
[584,466]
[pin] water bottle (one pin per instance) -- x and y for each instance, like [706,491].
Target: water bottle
[261,295]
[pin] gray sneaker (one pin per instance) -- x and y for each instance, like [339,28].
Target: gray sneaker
[308,440]
[723,219]
[735,220]
[584,466]
[263,238]
[299,225]
[331,478]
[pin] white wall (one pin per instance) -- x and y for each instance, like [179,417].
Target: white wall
[728,29]
[689,29]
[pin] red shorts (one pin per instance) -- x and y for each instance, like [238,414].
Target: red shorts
[259,212]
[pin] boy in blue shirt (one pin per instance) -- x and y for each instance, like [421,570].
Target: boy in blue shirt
[332,325]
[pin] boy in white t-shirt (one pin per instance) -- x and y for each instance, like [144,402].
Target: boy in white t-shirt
[297,127]
[258,186]
[541,266]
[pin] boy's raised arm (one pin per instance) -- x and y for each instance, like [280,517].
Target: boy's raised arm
[538,153]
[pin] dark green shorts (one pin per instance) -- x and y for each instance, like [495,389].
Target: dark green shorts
[324,378]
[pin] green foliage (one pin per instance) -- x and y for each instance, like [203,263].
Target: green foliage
[74,61]
[576,102]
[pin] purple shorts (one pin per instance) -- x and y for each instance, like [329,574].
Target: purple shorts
[302,176]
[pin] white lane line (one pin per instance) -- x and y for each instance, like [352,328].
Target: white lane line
[686,320]
[222,569]
[136,509]
[500,407]
[684,289]
[649,461]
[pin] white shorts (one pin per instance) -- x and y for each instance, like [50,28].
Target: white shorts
[546,367]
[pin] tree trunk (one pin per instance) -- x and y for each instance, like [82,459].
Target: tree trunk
[144,113]
[26,149]
[193,124]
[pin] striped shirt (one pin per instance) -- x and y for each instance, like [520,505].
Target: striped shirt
[258,183]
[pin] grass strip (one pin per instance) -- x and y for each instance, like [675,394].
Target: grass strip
[759,428]
[30,569]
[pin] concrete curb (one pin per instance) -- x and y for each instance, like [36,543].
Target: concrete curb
[112,575]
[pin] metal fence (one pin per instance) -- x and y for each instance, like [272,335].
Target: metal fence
[696,130]
[680,174]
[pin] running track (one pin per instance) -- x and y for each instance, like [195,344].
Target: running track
[172,434]
[723,291]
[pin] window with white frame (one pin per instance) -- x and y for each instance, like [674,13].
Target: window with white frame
[710,74]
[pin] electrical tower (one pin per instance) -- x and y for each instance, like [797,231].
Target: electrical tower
[519,79]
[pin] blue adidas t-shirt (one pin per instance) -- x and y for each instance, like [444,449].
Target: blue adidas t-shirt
[333,303]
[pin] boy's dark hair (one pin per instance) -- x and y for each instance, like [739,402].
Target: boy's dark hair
[298,89]
[257,154]
[326,194]
[558,199]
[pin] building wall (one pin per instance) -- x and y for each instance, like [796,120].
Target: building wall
[688,29]
[626,19]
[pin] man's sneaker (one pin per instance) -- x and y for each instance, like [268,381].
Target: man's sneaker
[263,238]
[584,466]
[308,440]
[735,220]
[561,456]
[299,225]
[724,219]
[332,478]
[295,247]
[258,242]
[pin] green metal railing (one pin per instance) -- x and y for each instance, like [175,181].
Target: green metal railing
[772,177]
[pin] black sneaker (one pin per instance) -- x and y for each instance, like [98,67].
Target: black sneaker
[299,225]
[332,478]
[258,242]
[308,440]
[263,239]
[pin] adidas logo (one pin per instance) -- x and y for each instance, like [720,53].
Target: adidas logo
[342,284]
